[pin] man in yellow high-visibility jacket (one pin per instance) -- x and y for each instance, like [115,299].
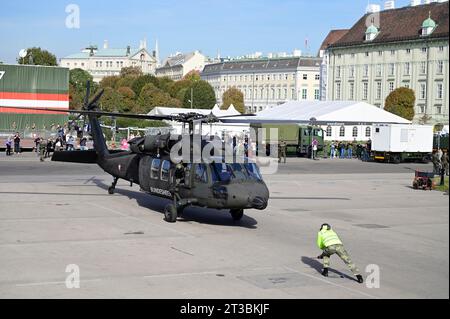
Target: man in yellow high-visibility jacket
[329,242]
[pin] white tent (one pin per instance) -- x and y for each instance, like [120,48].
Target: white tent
[215,128]
[344,120]
[176,110]
[324,112]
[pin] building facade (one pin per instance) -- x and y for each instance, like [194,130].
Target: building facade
[266,82]
[177,66]
[408,48]
[108,62]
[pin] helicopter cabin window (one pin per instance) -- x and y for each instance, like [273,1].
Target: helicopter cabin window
[253,171]
[165,168]
[156,163]
[201,174]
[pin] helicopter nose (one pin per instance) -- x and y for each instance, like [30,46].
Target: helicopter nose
[259,202]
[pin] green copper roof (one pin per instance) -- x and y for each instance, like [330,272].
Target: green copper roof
[372,29]
[429,23]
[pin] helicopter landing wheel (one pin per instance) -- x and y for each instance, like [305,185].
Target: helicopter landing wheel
[170,213]
[111,190]
[180,210]
[237,214]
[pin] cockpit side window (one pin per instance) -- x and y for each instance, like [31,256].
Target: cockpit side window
[165,171]
[154,173]
[201,174]
[253,171]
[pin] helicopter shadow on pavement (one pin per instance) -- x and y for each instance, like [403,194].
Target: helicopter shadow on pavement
[190,214]
[317,265]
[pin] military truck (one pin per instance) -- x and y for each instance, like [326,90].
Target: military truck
[297,137]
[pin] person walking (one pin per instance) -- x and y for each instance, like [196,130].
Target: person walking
[330,243]
[350,150]
[444,161]
[332,150]
[282,151]
[315,144]
[8,146]
[42,149]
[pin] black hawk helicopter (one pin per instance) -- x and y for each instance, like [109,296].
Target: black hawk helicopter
[215,183]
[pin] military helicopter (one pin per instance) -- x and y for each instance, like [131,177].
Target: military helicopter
[214,183]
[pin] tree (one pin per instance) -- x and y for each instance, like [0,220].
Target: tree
[192,76]
[141,81]
[233,96]
[401,102]
[126,81]
[37,56]
[75,98]
[78,78]
[151,96]
[109,81]
[203,96]
[128,99]
[111,100]
[165,84]
[177,86]
[134,71]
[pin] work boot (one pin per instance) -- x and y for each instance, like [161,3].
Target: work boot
[360,279]
[325,272]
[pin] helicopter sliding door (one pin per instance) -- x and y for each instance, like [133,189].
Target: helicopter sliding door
[155,174]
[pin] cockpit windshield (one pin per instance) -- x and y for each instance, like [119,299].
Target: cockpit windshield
[226,172]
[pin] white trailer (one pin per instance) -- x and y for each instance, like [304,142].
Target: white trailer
[400,142]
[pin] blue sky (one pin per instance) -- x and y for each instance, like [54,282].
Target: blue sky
[233,27]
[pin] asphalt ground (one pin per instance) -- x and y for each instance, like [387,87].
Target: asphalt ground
[53,215]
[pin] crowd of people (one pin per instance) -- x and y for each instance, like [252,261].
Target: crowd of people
[349,150]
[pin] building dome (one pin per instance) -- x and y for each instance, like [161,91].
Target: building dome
[372,30]
[429,23]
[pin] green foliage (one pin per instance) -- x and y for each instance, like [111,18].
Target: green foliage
[151,96]
[132,71]
[401,102]
[128,98]
[78,78]
[177,87]
[75,98]
[192,76]
[203,96]
[111,100]
[126,81]
[233,96]
[38,57]
[165,84]
[109,81]
[141,81]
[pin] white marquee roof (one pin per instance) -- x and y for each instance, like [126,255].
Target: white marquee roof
[175,110]
[327,112]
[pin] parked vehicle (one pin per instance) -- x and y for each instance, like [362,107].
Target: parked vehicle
[395,143]
[298,138]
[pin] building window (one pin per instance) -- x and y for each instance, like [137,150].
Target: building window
[365,90]
[423,91]
[423,67]
[352,55]
[352,71]
[285,93]
[391,86]
[338,90]
[438,109]
[305,76]
[391,69]
[439,91]
[422,108]
[339,56]
[408,51]
[379,70]
[407,68]
[392,52]
[378,96]
[366,70]
[368,131]
[355,131]
[352,91]
[316,94]
[441,48]
[440,67]
[304,94]
[406,85]
[424,50]
[338,72]
[317,77]
[342,131]
[329,130]
[367,53]
[380,53]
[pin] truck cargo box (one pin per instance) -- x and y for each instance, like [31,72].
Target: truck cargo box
[402,138]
